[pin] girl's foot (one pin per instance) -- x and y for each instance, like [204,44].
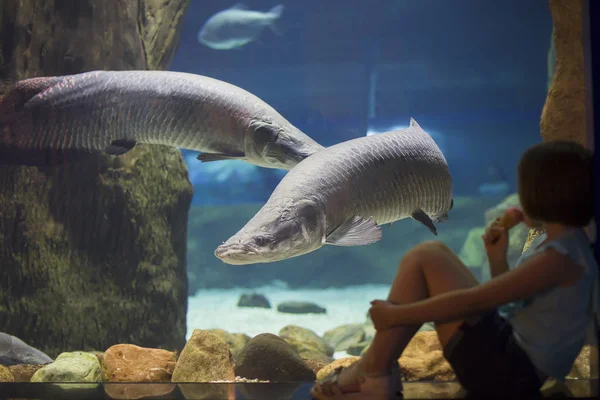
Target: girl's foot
[353,381]
[345,378]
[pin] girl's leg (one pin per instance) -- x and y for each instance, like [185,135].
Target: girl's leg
[427,270]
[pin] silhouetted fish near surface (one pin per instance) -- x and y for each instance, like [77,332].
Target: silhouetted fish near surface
[49,119]
[342,194]
[237,26]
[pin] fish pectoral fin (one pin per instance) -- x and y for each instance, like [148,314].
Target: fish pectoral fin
[120,146]
[208,157]
[423,218]
[356,231]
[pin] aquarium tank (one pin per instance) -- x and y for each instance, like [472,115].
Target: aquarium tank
[195,208]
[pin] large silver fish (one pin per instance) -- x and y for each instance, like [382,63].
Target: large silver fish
[341,195]
[44,120]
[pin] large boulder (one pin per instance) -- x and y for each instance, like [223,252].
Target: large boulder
[97,248]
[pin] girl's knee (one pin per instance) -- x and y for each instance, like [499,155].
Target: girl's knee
[426,250]
[430,246]
[433,244]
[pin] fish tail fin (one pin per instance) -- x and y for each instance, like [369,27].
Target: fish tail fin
[14,96]
[15,138]
[276,13]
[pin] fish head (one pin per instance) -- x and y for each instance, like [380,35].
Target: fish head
[275,234]
[274,146]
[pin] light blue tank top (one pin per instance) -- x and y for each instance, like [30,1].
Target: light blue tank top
[551,327]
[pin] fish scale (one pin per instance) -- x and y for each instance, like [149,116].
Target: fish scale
[386,176]
[92,110]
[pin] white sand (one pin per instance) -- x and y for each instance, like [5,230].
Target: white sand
[217,308]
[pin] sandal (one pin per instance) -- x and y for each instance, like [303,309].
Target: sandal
[385,386]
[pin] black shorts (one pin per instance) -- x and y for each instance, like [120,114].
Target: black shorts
[487,360]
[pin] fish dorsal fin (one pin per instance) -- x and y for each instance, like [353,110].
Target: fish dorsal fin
[413,123]
[238,6]
[355,232]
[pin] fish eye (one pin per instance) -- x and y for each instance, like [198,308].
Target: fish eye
[261,240]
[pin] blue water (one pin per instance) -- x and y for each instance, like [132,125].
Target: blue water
[471,72]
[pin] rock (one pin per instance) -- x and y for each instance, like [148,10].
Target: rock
[123,218]
[295,334]
[75,366]
[314,355]
[532,236]
[300,307]
[551,61]
[253,300]
[423,359]
[15,351]
[6,375]
[358,348]
[345,336]
[236,341]
[341,362]
[269,357]
[563,115]
[316,366]
[205,358]
[24,372]
[130,363]
[473,253]
[581,366]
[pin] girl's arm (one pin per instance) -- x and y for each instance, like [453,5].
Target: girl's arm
[497,268]
[541,272]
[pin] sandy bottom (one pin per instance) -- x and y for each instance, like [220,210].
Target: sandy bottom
[217,308]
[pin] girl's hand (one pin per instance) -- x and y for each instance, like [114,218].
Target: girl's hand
[382,314]
[495,240]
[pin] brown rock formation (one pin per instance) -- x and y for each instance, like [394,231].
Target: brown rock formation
[563,115]
[423,359]
[6,375]
[205,358]
[131,363]
[24,372]
[94,253]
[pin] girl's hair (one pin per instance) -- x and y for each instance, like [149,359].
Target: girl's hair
[556,184]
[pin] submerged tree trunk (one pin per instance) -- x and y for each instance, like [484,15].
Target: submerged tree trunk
[94,253]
